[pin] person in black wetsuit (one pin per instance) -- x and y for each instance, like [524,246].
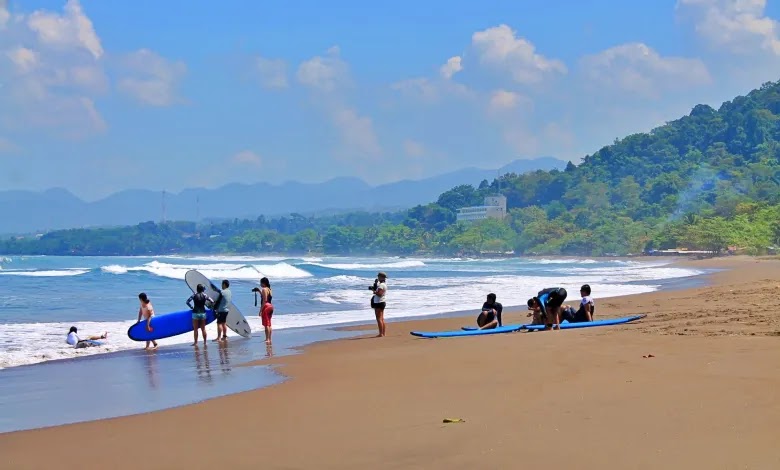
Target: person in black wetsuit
[197,303]
[546,307]
[490,316]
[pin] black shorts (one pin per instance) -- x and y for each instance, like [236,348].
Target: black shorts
[222,317]
[380,305]
[556,299]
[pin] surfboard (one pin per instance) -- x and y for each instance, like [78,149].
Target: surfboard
[166,325]
[591,324]
[235,319]
[458,333]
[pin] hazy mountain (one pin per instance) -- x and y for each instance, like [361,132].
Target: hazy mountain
[28,211]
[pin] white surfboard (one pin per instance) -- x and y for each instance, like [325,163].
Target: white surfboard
[235,319]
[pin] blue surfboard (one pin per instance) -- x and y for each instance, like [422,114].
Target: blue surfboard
[591,324]
[166,325]
[458,333]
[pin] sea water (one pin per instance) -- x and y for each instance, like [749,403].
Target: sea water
[41,297]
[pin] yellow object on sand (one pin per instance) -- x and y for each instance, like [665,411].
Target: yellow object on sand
[454,420]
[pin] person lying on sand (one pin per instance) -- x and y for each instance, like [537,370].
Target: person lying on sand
[490,316]
[74,340]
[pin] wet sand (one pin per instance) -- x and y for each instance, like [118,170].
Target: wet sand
[585,399]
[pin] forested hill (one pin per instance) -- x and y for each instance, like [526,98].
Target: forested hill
[706,181]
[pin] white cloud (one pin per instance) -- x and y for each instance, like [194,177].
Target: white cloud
[739,25]
[247,158]
[324,73]
[357,132]
[503,99]
[412,148]
[637,68]
[417,88]
[501,48]
[5,15]
[151,78]
[23,59]
[72,29]
[453,66]
[271,72]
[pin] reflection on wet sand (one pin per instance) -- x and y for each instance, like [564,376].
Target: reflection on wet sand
[151,369]
[224,357]
[202,364]
[269,350]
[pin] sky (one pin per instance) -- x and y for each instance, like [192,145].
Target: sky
[99,96]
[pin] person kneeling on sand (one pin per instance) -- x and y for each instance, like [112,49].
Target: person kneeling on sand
[74,340]
[490,316]
[548,304]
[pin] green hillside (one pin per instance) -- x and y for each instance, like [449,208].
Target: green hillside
[706,181]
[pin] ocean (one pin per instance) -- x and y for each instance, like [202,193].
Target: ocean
[43,296]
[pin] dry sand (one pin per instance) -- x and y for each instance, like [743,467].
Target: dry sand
[576,399]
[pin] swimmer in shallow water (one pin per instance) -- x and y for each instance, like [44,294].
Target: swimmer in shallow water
[74,340]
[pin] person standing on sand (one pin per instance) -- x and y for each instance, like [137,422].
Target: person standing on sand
[378,302]
[146,311]
[221,308]
[266,307]
[197,303]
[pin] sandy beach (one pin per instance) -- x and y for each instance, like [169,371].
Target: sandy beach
[583,399]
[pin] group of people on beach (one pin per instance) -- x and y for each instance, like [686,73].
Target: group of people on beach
[197,302]
[546,308]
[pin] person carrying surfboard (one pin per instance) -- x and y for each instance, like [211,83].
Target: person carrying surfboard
[147,312]
[197,302]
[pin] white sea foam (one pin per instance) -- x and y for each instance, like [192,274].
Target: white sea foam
[362,266]
[214,271]
[45,273]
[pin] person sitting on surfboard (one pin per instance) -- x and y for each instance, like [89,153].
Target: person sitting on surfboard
[147,312]
[75,341]
[585,312]
[548,303]
[197,303]
[490,316]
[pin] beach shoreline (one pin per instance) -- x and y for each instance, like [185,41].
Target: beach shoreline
[379,403]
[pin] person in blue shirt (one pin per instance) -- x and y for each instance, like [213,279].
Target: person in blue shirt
[547,305]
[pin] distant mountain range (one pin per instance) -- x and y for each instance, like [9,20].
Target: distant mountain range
[28,211]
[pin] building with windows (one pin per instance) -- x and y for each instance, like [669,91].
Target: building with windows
[493,208]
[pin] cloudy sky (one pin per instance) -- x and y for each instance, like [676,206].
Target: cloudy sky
[97,96]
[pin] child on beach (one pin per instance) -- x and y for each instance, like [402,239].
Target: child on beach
[548,303]
[147,312]
[266,307]
[197,303]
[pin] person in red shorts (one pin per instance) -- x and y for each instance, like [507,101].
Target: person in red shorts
[266,307]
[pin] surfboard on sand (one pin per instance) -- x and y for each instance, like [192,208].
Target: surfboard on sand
[459,333]
[166,325]
[591,324]
[235,319]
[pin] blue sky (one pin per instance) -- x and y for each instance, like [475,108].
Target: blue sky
[99,96]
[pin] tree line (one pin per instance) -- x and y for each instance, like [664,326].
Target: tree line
[707,181]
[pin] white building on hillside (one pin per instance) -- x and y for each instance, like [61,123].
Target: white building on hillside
[494,208]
